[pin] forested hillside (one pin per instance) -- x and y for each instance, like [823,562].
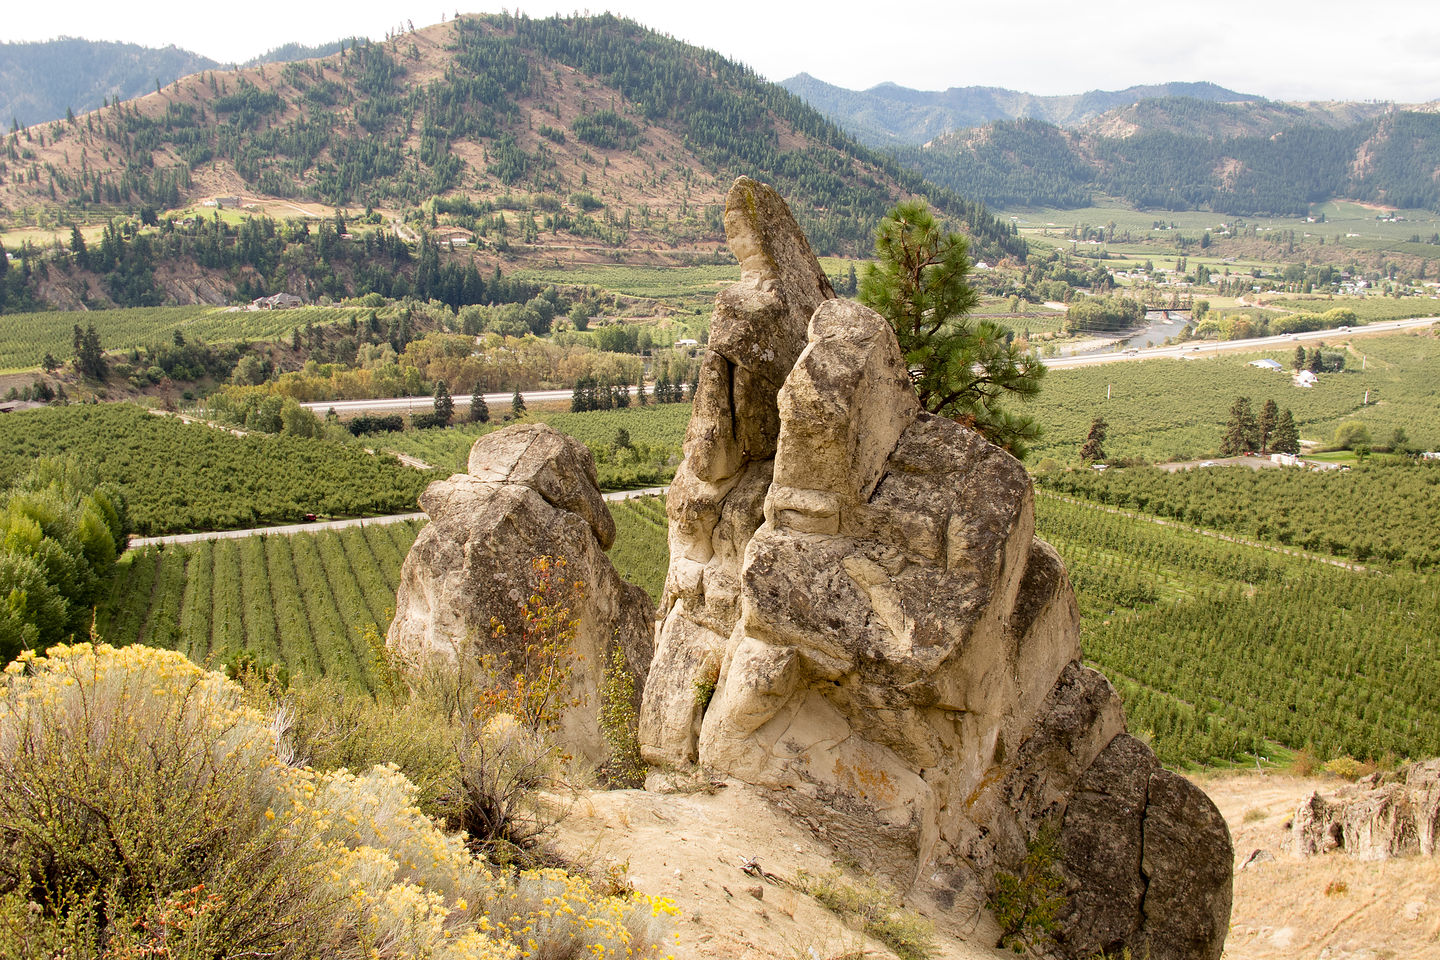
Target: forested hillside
[594,131]
[1165,147]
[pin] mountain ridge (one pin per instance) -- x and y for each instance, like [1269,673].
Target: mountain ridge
[888,114]
[41,80]
[567,137]
[1199,147]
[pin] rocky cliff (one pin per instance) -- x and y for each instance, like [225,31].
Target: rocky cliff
[894,655]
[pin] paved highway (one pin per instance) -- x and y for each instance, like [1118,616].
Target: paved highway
[1192,348]
[1209,348]
[499,401]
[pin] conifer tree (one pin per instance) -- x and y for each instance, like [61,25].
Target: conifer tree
[1286,438]
[960,368]
[1240,429]
[1266,425]
[517,402]
[1094,449]
[444,404]
[479,409]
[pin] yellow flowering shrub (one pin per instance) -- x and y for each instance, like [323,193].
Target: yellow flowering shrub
[150,817]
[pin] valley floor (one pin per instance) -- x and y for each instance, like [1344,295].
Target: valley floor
[1333,907]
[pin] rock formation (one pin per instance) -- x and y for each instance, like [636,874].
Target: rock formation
[1383,815]
[894,655]
[529,492]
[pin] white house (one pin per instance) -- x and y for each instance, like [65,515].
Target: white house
[1306,379]
[1267,364]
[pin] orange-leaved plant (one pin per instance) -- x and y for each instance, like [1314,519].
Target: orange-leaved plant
[534,685]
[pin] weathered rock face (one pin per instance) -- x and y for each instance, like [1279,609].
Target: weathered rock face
[717,499]
[1381,816]
[530,492]
[895,654]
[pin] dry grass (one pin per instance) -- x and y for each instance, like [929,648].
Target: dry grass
[1332,906]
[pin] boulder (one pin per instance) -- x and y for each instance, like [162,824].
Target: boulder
[894,655]
[1383,815]
[530,492]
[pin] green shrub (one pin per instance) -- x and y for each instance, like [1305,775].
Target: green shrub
[620,723]
[1028,903]
[877,910]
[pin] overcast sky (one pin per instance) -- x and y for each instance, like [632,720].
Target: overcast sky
[1318,49]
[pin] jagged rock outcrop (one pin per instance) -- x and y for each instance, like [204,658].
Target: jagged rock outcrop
[1383,815]
[895,656]
[530,492]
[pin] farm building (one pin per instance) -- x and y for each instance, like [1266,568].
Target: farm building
[280,301]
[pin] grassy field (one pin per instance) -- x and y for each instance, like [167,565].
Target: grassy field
[1174,410]
[660,283]
[301,601]
[29,336]
[1157,410]
[177,477]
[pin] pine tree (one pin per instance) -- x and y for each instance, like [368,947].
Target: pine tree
[479,409]
[1094,449]
[89,356]
[1286,438]
[517,402]
[1240,429]
[1299,363]
[641,398]
[444,404]
[962,369]
[1266,426]
[577,397]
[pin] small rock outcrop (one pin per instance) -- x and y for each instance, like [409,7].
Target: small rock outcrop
[894,655]
[529,492]
[1383,815]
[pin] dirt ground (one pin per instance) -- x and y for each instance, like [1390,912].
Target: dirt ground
[691,847]
[1333,907]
